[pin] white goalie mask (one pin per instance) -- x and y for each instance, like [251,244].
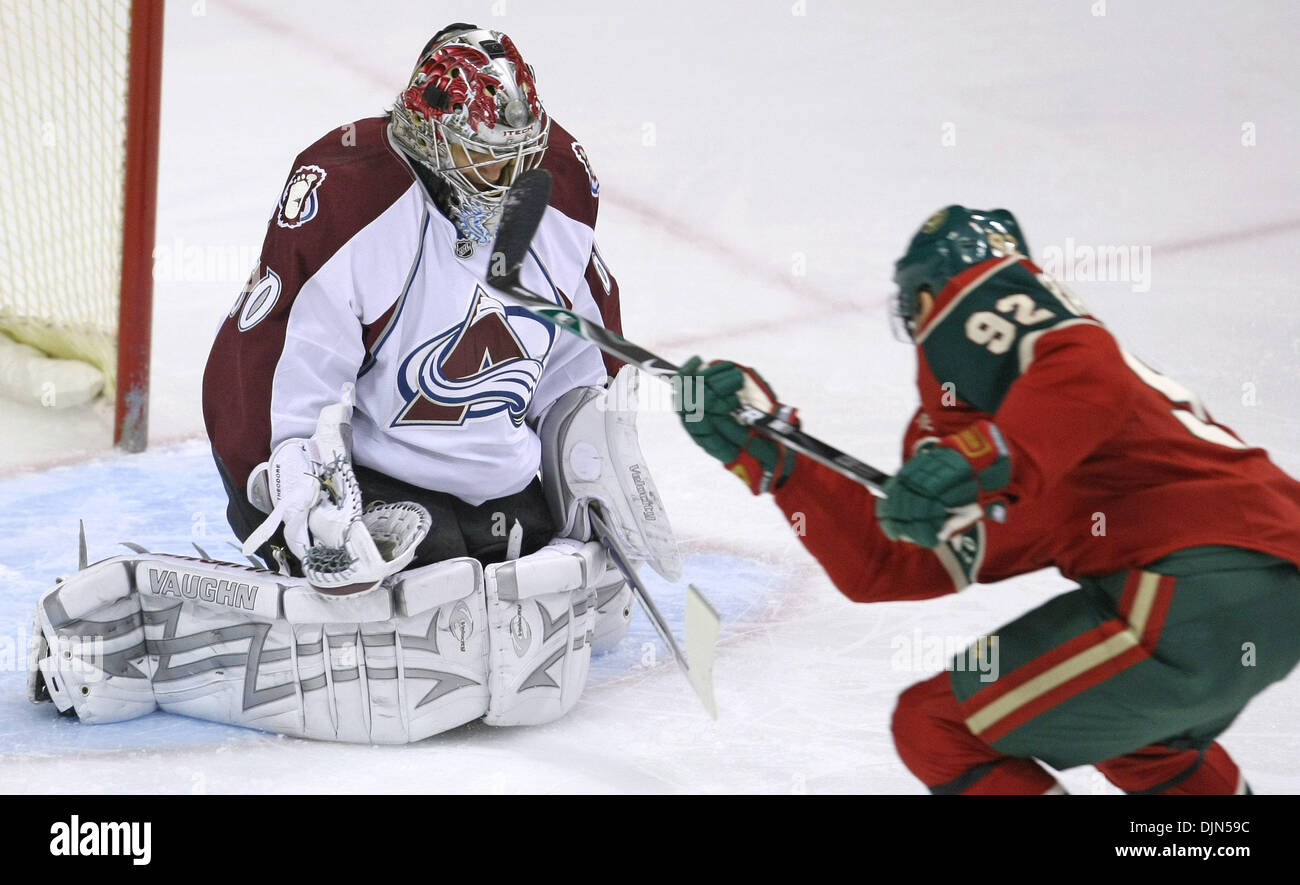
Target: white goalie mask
[471,114]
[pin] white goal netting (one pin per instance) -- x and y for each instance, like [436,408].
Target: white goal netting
[63,136]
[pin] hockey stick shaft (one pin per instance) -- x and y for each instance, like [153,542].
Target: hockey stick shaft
[616,345]
[615,548]
[701,681]
[525,204]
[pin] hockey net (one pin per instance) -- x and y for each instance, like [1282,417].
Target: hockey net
[78,140]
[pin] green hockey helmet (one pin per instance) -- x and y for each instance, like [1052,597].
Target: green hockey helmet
[952,240]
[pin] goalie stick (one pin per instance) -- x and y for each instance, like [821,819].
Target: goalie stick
[702,622]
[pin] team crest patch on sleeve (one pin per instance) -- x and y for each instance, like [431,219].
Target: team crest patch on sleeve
[487,364]
[581,153]
[300,201]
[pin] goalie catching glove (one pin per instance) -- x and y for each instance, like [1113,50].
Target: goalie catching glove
[710,394]
[309,486]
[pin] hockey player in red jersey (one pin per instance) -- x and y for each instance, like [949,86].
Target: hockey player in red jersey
[1041,442]
[379,420]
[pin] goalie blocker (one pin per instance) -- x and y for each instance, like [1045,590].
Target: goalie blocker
[591,455]
[422,651]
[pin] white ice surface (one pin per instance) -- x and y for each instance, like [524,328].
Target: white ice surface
[760,172]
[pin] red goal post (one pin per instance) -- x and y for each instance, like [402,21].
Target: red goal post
[140,207]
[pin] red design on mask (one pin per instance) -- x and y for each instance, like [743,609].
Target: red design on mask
[457,71]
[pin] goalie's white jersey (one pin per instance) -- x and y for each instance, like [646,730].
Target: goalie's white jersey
[362,279]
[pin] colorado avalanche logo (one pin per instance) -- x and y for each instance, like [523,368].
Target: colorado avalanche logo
[489,363]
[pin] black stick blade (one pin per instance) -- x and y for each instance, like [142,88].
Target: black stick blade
[521,213]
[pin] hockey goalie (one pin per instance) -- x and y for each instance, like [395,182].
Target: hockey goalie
[414,461]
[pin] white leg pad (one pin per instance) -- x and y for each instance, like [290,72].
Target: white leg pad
[210,640]
[92,651]
[541,615]
[391,681]
[613,610]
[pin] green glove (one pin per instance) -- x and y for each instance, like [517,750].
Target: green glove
[936,494]
[706,398]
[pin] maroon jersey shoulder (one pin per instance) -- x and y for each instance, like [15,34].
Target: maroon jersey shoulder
[576,189]
[342,182]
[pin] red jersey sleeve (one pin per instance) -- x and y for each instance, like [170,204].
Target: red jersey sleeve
[835,518]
